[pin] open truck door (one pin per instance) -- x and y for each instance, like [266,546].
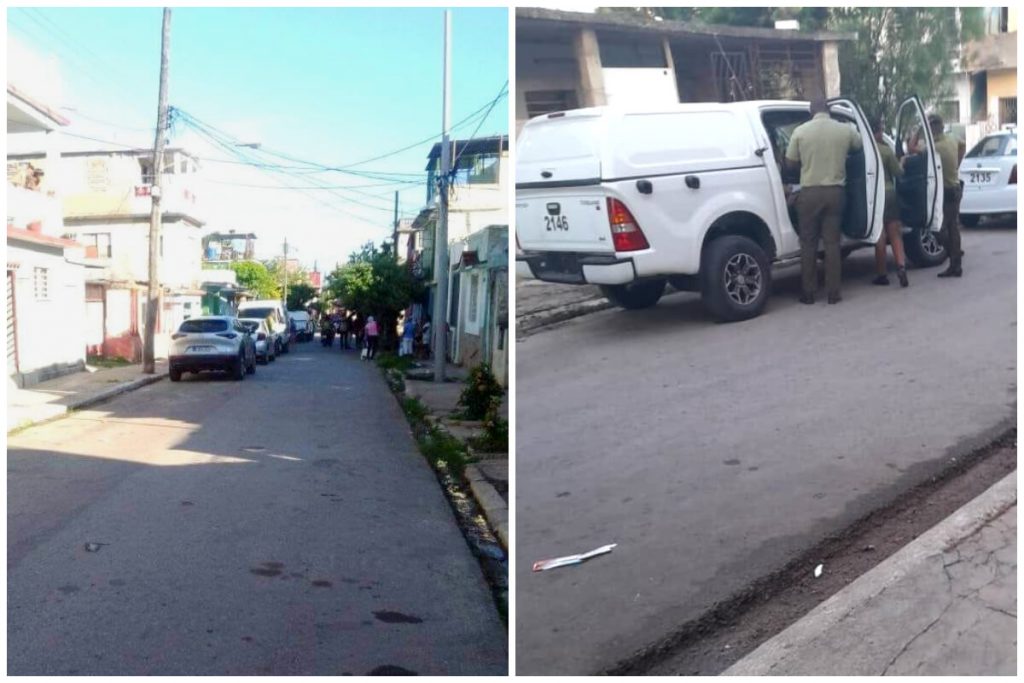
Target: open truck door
[920,189]
[865,186]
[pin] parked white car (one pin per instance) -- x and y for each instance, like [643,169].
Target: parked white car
[302,325]
[989,175]
[219,343]
[262,308]
[262,336]
[695,195]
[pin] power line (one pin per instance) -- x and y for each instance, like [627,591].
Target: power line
[489,106]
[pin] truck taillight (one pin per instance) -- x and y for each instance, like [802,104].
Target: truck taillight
[1013,175]
[626,234]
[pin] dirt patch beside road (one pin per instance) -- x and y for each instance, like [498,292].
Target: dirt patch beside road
[739,625]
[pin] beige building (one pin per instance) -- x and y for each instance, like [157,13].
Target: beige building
[107,202]
[45,275]
[566,60]
[985,89]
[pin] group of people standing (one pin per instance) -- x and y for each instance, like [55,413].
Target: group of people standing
[365,334]
[819,148]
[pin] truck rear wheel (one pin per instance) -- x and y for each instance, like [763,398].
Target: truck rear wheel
[923,248]
[735,278]
[636,295]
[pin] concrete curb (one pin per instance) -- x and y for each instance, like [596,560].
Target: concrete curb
[494,506]
[961,524]
[532,322]
[90,400]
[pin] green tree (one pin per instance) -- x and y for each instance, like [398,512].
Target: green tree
[901,51]
[299,294]
[372,283]
[253,276]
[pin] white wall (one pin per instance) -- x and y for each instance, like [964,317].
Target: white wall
[640,87]
[50,331]
[180,265]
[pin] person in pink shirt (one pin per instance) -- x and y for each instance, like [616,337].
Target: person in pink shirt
[372,332]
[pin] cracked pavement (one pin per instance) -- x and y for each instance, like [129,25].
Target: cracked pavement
[953,613]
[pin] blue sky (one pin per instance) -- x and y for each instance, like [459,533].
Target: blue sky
[333,85]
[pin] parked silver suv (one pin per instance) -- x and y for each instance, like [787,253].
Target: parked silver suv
[219,343]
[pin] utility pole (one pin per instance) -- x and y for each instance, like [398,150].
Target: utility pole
[153,291]
[284,298]
[396,226]
[439,323]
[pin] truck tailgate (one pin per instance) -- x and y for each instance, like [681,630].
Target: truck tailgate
[566,219]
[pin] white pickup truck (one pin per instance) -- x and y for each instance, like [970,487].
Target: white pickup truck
[696,195]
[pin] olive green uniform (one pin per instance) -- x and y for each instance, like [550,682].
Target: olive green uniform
[892,170]
[948,150]
[821,146]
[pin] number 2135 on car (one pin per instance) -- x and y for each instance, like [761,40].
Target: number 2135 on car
[552,223]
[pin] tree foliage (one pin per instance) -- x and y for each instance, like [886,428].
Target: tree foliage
[299,294]
[899,51]
[373,283]
[253,276]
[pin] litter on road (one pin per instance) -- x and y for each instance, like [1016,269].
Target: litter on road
[818,570]
[543,565]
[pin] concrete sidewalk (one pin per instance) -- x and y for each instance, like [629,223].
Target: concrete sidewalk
[56,397]
[946,604]
[488,477]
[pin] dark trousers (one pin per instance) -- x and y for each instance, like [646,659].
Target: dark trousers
[820,216]
[950,232]
[371,344]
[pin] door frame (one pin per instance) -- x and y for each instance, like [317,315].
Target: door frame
[934,220]
[872,186]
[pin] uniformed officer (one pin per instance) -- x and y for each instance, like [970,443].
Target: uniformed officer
[891,214]
[820,147]
[948,150]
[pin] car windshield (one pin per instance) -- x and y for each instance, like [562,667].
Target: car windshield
[203,326]
[257,312]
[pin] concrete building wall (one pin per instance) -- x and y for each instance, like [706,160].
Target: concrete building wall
[113,184]
[51,325]
[180,263]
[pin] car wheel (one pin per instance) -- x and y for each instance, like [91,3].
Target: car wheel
[636,295]
[284,348]
[237,369]
[175,374]
[970,220]
[735,277]
[924,248]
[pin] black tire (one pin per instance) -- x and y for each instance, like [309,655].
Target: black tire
[735,278]
[636,295]
[285,347]
[970,220]
[923,248]
[175,374]
[238,370]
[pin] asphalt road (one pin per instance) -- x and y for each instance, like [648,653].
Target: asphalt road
[712,454]
[282,525]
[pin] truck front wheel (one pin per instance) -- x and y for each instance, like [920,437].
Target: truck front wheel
[642,294]
[735,278]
